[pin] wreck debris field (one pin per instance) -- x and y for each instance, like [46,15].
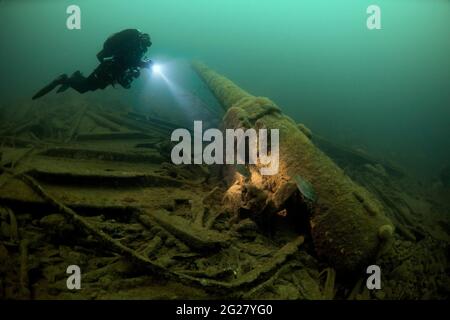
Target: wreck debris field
[94,186]
[224,150]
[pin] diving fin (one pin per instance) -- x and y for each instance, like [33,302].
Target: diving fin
[52,85]
[63,88]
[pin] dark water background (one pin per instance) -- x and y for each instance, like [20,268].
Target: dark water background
[386,92]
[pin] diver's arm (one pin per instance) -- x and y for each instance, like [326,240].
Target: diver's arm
[145,63]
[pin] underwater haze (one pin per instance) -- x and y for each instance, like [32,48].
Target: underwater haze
[385,92]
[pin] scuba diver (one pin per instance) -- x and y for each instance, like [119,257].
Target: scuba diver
[121,58]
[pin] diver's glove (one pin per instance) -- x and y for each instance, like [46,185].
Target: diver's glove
[146,63]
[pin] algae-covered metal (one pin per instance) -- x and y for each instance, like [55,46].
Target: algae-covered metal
[346,218]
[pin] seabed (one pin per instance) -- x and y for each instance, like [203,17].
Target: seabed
[93,185]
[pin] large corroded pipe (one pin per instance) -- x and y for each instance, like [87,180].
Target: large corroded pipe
[348,225]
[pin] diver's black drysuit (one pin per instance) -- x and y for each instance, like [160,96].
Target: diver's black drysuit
[122,56]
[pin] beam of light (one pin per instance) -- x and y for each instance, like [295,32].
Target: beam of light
[157,69]
[161,72]
[175,90]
